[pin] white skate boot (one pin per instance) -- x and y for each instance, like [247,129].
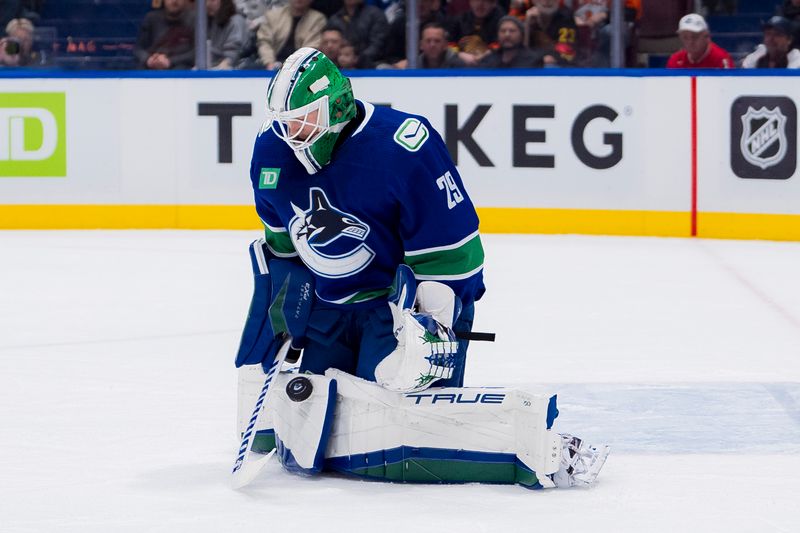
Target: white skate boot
[580,462]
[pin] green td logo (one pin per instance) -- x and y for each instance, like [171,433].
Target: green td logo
[269,178]
[33,139]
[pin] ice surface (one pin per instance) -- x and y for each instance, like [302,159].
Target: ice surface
[117,388]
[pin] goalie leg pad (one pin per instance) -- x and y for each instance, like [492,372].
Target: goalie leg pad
[250,383]
[302,415]
[444,435]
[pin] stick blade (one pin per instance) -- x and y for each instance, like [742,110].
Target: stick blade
[249,471]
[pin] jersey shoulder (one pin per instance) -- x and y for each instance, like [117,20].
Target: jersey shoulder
[399,133]
[269,143]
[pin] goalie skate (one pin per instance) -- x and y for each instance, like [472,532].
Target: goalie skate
[580,462]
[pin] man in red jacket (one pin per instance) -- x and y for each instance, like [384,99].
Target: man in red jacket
[698,51]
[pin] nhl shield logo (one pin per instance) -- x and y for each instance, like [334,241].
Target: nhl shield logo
[764,137]
[763,141]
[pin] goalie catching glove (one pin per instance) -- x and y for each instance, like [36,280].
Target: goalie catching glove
[427,350]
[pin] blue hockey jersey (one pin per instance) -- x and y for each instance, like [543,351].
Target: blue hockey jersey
[390,195]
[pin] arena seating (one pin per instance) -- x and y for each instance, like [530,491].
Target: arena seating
[90,34]
[741,32]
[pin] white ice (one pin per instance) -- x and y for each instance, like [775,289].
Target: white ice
[117,388]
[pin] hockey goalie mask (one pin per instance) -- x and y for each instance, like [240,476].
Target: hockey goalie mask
[309,102]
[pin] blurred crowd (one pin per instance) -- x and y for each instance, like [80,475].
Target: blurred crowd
[371,34]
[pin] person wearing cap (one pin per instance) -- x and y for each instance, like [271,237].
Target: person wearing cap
[551,29]
[511,53]
[776,51]
[698,50]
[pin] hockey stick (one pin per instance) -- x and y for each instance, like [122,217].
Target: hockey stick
[246,468]
[474,336]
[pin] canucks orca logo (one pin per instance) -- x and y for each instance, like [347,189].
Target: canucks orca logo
[329,241]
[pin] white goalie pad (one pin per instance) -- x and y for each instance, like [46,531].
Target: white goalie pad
[250,381]
[297,416]
[302,412]
[478,421]
[363,429]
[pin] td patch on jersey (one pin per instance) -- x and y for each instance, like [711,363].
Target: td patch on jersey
[411,134]
[268,179]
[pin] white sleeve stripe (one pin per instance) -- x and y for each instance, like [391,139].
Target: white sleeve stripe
[273,229]
[260,259]
[445,247]
[280,254]
[448,277]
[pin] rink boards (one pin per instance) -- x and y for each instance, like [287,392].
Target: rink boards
[642,154]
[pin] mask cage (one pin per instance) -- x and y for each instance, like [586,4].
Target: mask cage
[288,125]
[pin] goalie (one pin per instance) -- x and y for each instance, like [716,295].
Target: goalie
[359,204]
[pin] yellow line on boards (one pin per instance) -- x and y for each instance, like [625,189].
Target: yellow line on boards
[585,221]
[128,217]
[493,220]
[748,226]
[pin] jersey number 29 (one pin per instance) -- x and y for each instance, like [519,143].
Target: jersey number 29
[448,184]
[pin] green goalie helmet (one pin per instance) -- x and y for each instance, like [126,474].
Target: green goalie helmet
[309,102]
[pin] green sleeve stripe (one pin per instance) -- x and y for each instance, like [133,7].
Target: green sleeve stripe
[449,263]
[279,242]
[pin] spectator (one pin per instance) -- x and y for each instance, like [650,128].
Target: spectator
[698,51]
[511,53]
[365,27]
[776,51]
[791,11]
[327,7]
[456,7]
[348,56]
[593,33]
[716,6]
[227,31]
[391,8]
[254,10]
[16,48]
[427,11]
[475,31]
[166,37]
[591,13]
[286,29]
[552,31]
[434,49]
[331,43]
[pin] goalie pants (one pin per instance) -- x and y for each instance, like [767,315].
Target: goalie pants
[356,340]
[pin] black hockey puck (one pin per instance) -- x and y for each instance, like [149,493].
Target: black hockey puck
[299,389]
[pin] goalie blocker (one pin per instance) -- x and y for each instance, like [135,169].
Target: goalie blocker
[341,423]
